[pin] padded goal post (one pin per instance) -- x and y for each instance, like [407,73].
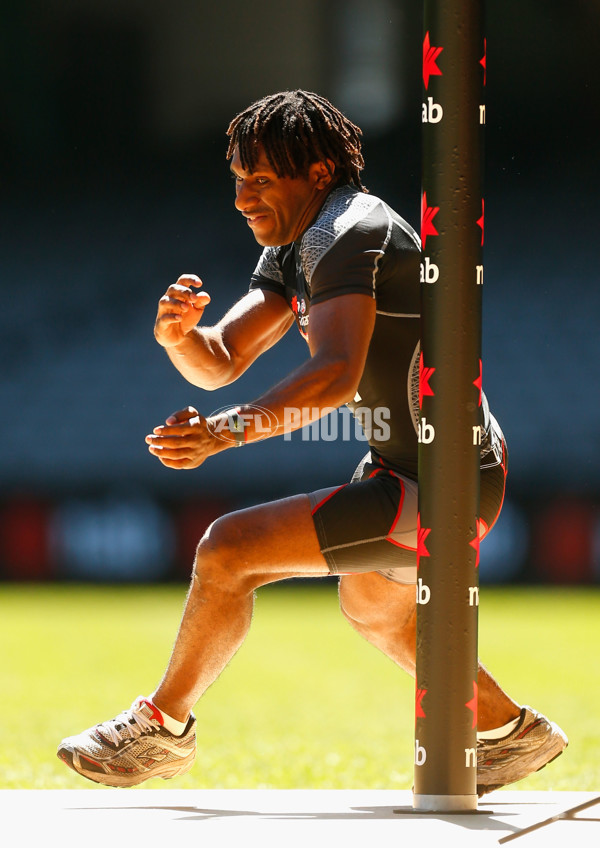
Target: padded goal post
[452,227]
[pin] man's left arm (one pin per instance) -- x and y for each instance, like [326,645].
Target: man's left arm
[339,336]
[340,331]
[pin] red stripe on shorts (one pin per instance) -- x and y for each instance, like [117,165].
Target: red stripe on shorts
[330,495]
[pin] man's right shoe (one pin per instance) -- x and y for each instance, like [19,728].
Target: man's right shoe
[533,744]
[131,748]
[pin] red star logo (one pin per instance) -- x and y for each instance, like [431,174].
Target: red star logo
[428,213]
[425,375]
[480,222]
[481,530]
[472,704]
[483,62]
[422,534]
[478,383]
[419,712]
[430,56]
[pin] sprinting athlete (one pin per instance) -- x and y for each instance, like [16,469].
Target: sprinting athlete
[344,267]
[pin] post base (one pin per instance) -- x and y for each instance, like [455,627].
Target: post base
[445,803]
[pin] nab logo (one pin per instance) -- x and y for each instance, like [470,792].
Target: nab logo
[473,596]
[431,113]
[420,754]
[426,432]
[299,310]
[423,593]
[430,272]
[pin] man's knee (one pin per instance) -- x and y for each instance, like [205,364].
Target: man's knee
[219,557]
[358,599]
[370,601]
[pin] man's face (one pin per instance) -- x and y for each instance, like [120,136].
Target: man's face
[278,209]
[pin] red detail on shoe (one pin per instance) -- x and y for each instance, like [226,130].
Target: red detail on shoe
[103,739]
[500,754]
[156,713]
[121,769]
[89,760]
[529,728]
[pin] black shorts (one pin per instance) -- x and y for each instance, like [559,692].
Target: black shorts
[370,524]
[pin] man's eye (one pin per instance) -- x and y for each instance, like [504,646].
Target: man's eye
[261,181]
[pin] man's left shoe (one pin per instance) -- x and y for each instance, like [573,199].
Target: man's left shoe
[130,748]
[533,744]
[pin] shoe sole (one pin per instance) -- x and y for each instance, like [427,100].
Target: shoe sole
[483,789]
[124,781]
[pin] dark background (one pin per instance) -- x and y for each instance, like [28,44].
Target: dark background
[114,182]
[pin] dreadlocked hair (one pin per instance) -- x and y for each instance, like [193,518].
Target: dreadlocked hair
[295,129]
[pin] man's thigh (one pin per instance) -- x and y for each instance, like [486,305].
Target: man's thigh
[276,539]
[369,525]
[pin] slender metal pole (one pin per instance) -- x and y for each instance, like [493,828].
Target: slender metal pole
[450,395]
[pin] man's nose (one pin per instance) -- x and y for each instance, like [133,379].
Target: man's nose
[245,196]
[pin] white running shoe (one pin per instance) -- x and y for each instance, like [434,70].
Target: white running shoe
[533,744]
[130,748]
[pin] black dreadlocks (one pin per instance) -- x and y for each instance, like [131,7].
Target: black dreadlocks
[295,129]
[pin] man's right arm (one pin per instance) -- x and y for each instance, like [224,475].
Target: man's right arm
[211,357]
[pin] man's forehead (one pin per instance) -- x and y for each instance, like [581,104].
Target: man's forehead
[262,162]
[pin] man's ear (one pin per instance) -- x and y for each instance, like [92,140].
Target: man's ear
[323,173]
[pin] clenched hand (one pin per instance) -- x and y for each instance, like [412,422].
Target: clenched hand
[179,310]
[184,440]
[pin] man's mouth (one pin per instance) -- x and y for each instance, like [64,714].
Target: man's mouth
[253,219]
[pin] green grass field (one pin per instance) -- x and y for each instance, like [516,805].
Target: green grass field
[306,703]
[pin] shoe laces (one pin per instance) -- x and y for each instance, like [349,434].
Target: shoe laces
[130,724]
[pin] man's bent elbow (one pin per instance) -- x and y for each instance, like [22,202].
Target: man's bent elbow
[209,383]
[343,384]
